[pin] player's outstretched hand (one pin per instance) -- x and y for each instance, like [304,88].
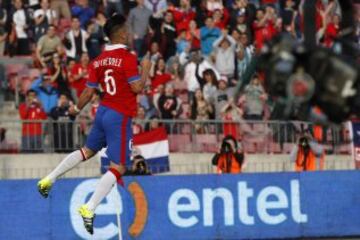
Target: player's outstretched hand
[72,111]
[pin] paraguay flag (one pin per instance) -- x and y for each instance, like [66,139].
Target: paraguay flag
[154,147]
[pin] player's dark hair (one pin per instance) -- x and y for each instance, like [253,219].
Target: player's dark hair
[113,24]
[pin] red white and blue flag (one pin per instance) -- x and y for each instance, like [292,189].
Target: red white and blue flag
[154,147]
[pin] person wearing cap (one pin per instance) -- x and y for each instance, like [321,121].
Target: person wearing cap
[47,94]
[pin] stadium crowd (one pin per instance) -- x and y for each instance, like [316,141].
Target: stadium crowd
[200,50]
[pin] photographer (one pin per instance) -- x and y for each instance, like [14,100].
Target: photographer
[307,154]
[138,167]
[229,159]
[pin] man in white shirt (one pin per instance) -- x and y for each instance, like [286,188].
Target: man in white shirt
[196,66]
[19,20]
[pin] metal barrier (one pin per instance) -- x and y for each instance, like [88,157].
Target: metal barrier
[50,136]
[175,169]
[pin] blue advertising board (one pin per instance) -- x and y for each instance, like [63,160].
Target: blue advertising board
[245,206]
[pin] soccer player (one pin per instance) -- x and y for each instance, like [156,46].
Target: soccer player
[116,71]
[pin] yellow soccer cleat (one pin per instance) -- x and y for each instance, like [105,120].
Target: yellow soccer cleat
[44,187]
[88,218]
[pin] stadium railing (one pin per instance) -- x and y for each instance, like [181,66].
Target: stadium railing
[185,136]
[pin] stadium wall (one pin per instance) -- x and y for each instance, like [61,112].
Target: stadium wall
[21,166]
[245,206]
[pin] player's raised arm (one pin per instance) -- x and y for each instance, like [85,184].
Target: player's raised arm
[137,86]
[87,94]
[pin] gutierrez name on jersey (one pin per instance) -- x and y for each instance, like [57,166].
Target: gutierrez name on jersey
[116,62]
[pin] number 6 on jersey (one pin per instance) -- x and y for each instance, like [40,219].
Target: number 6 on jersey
[110,82]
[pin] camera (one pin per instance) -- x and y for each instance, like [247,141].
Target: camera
[295,73]
[304,142]
[226,147]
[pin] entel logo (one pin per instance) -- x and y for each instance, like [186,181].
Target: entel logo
[279,200]
[268,198]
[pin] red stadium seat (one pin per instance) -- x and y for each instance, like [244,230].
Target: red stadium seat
[206,142]
[180,143]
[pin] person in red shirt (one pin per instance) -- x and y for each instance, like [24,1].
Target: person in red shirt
[263,27]
[182,15]
[159,76]
[31,109]
[80,75]
[332,31]
[221,18]
[116,71]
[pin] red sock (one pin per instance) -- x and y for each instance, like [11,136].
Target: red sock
[118,176]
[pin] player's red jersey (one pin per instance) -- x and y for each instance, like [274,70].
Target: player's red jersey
[114,70]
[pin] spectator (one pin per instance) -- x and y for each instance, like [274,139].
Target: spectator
[209,33]
[44,17]
[47,94]
[194,72]
[62,8]
[221,18]
[243,58]
[80,75]
[224,52]
[3,30]
[47,46]
[263,26]
[232,115]
[183,14]
[31,109]
[83,12]
[63,125]
[182,44]
[21,19]
[193,35]
[254,97]
[75,40]
[213,5]
[168,36]
[154,52]
[113,6]
[158,74]
[210,86]
[241,24]
[222,96]
[169,106]
[154,123]
[307,154]
[229,159]
[332,31]
[201,111]
[96,35]
[139,121]
[157,7]
[59,75]
[138,22]
[168,103]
